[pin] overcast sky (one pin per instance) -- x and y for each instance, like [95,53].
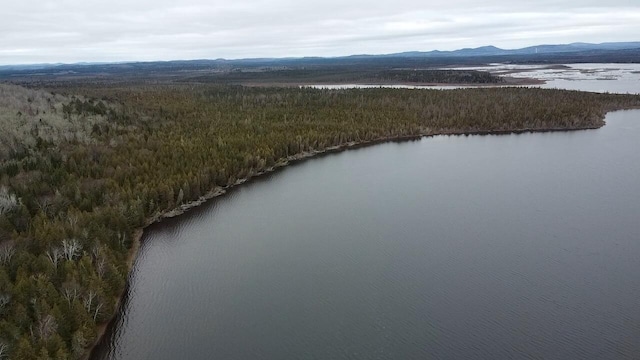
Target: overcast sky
[34,31]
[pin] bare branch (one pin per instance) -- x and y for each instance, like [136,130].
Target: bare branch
[71,249]
[47,326]
[97,310]
[7,250]
[4,350]
[54,255]
[8,201]
[5,299]
[70,291]
[88,299]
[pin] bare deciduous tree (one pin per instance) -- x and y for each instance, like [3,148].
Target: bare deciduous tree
[54,255]
[99,260]
[101,266]
[44,204]
[8,201]
[89,297]
[29,115]
[70,291]
[92,303]
[72,219]
[7,249]
[47,326]
[96,312]
[4,350]
[71,248]
[96,252]
[5,299]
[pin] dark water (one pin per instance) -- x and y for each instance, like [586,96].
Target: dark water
[480,247]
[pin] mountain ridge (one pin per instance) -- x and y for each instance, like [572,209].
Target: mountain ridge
[490,52]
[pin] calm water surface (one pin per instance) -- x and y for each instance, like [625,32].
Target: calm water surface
[486,247]
[617,78]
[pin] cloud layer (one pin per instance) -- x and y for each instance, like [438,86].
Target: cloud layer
[34,31]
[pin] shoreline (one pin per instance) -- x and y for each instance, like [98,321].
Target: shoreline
[507,81]
[219,191]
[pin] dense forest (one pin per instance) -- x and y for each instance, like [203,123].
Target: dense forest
[83,168]
[348,75]
[253,74]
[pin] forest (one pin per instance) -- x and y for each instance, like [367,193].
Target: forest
[346,75]
[253,74]
[84,166]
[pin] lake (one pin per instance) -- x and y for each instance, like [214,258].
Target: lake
[617,78]
[455,247]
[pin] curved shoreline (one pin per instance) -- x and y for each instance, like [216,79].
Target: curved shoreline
[219,191]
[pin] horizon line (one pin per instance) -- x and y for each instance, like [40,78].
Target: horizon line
[116,62]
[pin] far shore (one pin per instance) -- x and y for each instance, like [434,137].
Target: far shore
[507,81]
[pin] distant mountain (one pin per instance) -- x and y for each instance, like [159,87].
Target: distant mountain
[531,50]
[622,52]
[43,66]
[28,66]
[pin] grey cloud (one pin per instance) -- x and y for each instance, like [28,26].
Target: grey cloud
[74,30]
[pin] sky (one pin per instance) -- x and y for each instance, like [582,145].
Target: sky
[68,31]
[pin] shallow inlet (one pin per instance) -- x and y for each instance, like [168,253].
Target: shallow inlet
[511,246]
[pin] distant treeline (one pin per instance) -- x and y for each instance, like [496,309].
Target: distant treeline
[181,69]
[120,156]
[346,75]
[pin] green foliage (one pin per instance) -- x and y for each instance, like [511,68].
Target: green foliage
[70,208]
